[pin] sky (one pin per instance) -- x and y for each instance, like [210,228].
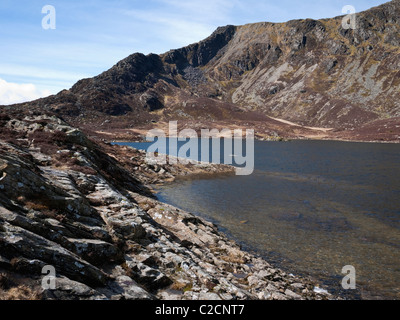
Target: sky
[44,50]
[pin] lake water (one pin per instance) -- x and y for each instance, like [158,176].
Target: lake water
[311,208]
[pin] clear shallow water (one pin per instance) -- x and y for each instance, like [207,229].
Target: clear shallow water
[311,208]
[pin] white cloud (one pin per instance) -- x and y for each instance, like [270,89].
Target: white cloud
[176,23]
[39,73]
[11,93]
[172,30]
[209,11]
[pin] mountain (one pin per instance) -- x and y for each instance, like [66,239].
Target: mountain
[303,78]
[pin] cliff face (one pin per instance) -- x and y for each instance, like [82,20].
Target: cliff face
[317,73]
[311,72]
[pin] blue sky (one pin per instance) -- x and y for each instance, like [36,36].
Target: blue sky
[92,35]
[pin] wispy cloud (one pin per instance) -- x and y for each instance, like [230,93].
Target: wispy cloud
[180,23]
[169,29]
[211,11]
[40,73]
[11,93]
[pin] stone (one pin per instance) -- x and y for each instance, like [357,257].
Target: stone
[292,295]
[318,290]
[25,266]
[209,296]
[148,277]
[19,242]
[96,251]
[278,296]
[129,230]
[271,288]
[253,280]
[264,295]
[263,274]
[128,289]
[298,286]
[67,289]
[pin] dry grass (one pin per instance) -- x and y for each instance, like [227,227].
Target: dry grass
[36,206]
[20,293]
[179,286]
[48,142]
[67,160]
[236,259]
[11,136]
[84,169]
[45,210]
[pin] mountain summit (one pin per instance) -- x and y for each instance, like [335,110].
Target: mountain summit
[304,77]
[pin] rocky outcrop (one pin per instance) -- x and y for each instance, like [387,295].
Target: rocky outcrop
[86,209]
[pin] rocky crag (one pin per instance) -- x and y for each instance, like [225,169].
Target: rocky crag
[324,81]
[86,208]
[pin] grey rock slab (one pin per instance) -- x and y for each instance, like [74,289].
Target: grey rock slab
[66,289]
[17,242]
[129,289]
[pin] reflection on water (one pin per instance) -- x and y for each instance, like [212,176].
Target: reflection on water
[312,208]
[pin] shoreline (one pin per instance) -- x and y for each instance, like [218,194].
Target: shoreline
[241,244]
[284,140]
[221,233]
[366,291]
[299,133]
[85,208]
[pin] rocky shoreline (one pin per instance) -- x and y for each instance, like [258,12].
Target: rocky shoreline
[86,208]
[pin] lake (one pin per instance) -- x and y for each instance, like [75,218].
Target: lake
[311,208]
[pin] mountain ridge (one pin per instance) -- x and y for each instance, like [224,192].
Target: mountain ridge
[310,72]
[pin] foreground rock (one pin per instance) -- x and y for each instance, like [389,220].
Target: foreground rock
[87,210]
